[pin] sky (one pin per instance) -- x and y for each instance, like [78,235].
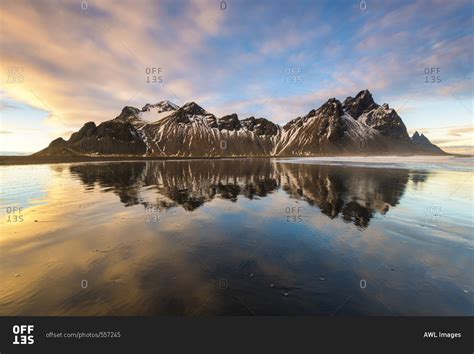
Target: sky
[64,63]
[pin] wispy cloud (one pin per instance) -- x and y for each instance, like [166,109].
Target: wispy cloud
[85,65]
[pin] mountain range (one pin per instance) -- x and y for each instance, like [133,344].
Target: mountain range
[356,126]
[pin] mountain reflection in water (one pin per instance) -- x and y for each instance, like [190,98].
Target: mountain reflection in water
[235,237]
[355,194]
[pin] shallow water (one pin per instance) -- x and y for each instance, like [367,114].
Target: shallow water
[227,237]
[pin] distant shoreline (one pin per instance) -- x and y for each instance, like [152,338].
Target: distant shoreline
[38,160]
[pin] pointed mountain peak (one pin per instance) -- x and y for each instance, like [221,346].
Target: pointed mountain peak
[152,113]
[162,106]
[422,141]
[331,107]
[419,137]
[362,102]
[169,104]
[194,109]
[130,109]
[364,93]
[128,112]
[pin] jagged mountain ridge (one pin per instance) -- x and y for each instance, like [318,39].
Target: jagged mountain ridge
[421,140]
[356,126]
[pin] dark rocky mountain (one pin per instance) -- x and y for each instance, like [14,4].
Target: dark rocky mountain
[320,131]
[111,137]
[381,118]
[357,126]
[362,102]
[422,141]
[230,122]
[260,126]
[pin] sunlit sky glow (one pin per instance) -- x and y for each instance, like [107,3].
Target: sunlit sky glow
[82,64]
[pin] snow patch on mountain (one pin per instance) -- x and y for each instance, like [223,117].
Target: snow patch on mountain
[165,129]
[357,129]
[152,113]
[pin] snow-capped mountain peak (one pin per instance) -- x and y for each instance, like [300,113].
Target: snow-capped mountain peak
[357,126]
[361,103]
[153,113]
[162,106]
